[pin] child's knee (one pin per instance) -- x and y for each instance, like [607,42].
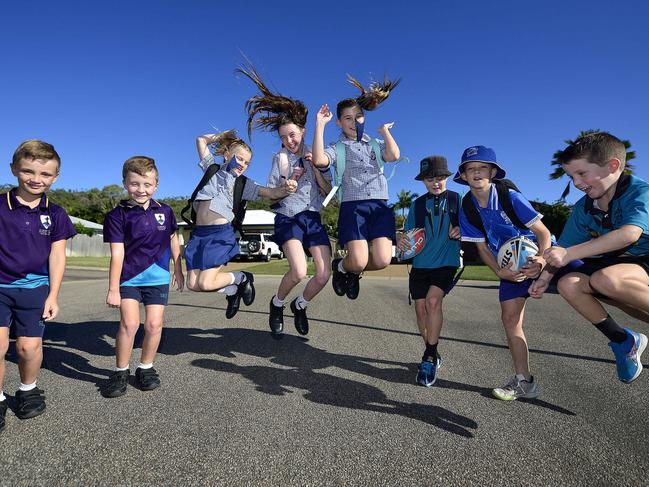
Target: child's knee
[297,275]
[153,327]
[355,263]
[129,327]
[322,276]
[433,302]
[193,285]
[605,283]
[28,349]
[381,261]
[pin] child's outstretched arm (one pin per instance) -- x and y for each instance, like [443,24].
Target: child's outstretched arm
[177,278]
[57,268]
[116,261]
[535,264]
[202,145]
[391,152]
[280,192]
[323,117]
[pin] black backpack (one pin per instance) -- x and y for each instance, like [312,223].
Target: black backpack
[238,203]
[502,187]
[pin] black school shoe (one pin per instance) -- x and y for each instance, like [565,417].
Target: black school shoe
[30,403]
[300,319]
[146,379]
[3,412]
[245,291]
[338,279]
[276,318]
[116,385]
[353,286]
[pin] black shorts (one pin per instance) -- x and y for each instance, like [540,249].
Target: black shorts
[146,294]
[422,279]
[590,266]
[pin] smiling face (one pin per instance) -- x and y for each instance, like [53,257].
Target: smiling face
[478,175]
[141,188]
[594,180]
[347,120]
[242,155]
[435,185]
[292,137]
[35,176]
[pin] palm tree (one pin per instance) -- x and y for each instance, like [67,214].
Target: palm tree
[404,200]
[558,172]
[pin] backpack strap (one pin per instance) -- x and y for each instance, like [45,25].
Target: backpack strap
[339,170]
[453,207]
[211,170]
[420,211]
[239,204]
[502,187]
[284,165]
[472,214]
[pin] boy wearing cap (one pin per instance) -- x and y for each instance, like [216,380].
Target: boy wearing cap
[142,237]
[33,232]
[480,170]
[434,268]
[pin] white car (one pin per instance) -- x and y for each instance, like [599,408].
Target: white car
[258,246]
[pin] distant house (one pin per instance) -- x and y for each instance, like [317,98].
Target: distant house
[84,246]
[99,229]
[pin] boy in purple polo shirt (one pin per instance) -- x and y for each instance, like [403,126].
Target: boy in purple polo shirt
[33,234]
[142,237]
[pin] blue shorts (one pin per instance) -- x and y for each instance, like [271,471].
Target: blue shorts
[211,246]
[146,294]
[512,290]
[22,310]
[365,220]
[305,226]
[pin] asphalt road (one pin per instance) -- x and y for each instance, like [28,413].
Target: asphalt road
[338,408]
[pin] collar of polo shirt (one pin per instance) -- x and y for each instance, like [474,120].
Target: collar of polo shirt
[130,204]
[343,138]
[12,201]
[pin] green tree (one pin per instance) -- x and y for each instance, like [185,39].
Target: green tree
[558,172]
[404,200]
[555,215]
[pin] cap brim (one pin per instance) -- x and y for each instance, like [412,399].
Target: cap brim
[421,175]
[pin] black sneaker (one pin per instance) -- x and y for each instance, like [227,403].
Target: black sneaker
[3,412]
[276,318]
[116,385]
[338,279]
[146,379]
[247,288]
[30,403]
[234,302]
[352,285]
[300,319]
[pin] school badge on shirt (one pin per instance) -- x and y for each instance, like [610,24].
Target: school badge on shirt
[46,223]
[160,218]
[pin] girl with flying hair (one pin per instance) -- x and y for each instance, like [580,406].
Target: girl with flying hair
[298,228]
[365,220]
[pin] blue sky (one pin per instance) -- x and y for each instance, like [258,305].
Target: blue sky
[105,81]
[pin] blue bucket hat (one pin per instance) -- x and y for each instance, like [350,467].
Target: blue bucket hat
[478,153]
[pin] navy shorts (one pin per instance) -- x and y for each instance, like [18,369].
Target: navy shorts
[512,290]
[421,280]
[146,294]
[305,226]
[22,310]
[211,246]
[365,220]
[590,266]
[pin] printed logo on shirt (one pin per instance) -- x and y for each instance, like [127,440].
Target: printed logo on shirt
[45,221]
[160,218]
[506,218]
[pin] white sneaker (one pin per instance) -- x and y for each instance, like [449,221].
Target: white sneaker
[517,388]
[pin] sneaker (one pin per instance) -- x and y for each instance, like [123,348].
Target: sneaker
[517,388]
[338,279]
[116,385]
[247,288]
[146,379]
[627,355]
[300,319]
[352,285]
[30,403]
[3,412]
[427,374]
[276,318]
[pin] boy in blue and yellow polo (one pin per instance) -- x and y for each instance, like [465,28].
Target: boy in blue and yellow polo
[33,234]
[142,237]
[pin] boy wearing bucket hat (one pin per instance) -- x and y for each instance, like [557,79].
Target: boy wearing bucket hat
[498,209]
[434,267]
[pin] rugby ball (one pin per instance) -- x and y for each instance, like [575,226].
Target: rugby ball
[412,242]
[516,250]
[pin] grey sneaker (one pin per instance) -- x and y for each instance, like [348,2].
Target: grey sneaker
[517,388]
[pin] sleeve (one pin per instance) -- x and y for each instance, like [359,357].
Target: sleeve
[251,191]
[173,224]
[330,152]
[63,229]
[576,230]
[381,143]
[524,209]
[410,220]
[468,231]
[206,162]
[636,210]
[274,176]
[114,227]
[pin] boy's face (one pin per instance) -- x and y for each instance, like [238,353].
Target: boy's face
[478,175]
[243,157]
[291,136]
[436,185]
[347,121]
[141,188]
[35,176]
[593,179]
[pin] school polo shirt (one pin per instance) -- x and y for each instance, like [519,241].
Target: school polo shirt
[440,250]
[497,224]
[629,206]
[146,237]
[26,236]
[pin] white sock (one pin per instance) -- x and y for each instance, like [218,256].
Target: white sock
[238,277]
[340,266]
[145,366]
[2,396]
[229,290]
[121,369]
[300,302]
[278,302]
[27,387]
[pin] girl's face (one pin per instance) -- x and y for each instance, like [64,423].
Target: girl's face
[292,137]
[347,120]
[243,157]
[436,185]
[478,174]
[592,179]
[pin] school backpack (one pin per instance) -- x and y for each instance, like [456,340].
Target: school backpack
[502,187]
[324,186]
[238,203]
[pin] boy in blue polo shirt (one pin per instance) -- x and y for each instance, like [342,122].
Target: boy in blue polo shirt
[142,237]
[434,268]
[609,230]
[479,170]
[33,234]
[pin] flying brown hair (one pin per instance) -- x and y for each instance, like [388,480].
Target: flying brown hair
[268,110]
[226,141]
[376,94]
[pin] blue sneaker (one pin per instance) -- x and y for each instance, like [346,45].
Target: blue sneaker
[627,355]
[427,374]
